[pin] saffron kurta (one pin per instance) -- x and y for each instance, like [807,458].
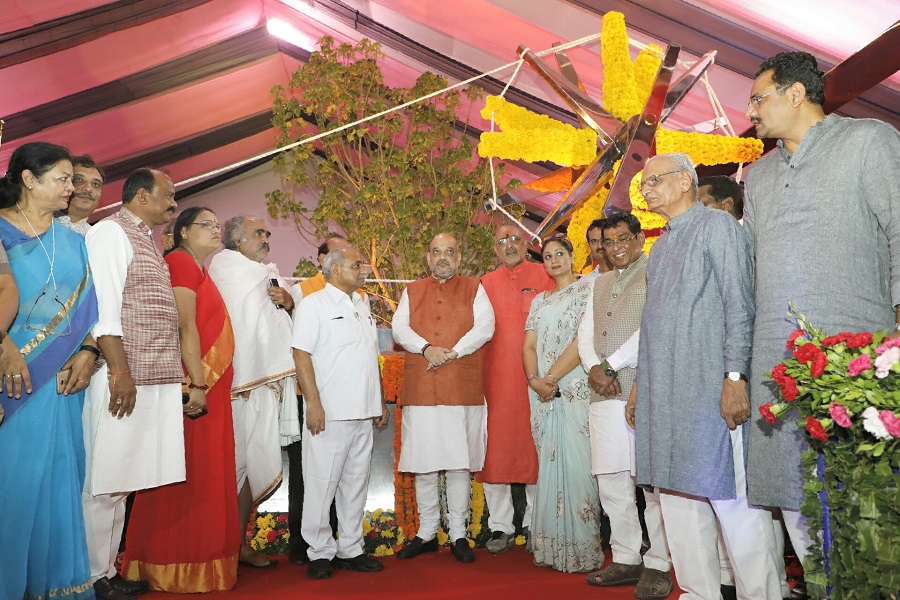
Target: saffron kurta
[510,456]
[825,228]
[696,326]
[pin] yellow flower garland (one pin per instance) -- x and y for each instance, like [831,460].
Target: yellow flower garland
[566,148]
[645,67]
[620,95]
[709,149]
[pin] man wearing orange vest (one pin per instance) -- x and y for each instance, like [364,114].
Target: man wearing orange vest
[510,456]
[442,321]
[297,547]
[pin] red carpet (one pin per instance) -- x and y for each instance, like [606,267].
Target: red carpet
[490,577]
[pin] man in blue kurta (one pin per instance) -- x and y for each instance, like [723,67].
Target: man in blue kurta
[822,218]
[690,401]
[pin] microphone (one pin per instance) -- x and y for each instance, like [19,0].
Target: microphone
[274,283]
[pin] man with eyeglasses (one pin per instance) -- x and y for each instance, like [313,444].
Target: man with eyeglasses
[831,180]
[689,405]
[133,419]
[260,309]
[510,456]
[608,349]
[442,321]
[88,181]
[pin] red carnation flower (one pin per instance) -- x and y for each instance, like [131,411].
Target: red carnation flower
[778,373]
[807,352]
[818,365]
[834,340]
[789,389]
[793,338]
[858,340]
[272,536]
[766,411]
[282,518]
[815,429]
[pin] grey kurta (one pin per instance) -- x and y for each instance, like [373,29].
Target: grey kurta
[696,326]
[825,228]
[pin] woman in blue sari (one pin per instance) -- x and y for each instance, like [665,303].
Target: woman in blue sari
[48,356]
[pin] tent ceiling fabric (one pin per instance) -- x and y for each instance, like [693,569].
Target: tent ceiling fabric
[184,85]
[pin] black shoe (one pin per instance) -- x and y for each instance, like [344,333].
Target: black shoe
[320,568]
[363,563]
[132,588]
[729,592]
[799,591]
[462,552]
[297,554]
[104,590]
[418,546]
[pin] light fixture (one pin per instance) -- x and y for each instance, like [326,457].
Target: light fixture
[287,32]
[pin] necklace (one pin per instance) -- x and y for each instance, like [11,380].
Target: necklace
[50,328]
[50,258]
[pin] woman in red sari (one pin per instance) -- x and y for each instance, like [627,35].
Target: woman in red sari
[185,537]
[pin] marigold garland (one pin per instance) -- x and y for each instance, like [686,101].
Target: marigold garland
[646,65]
[709,149]
[620,96]
[509,116]
[566,148]
[392,376]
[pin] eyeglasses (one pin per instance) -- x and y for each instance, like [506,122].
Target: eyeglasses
[511,239]
[61,315]
[210,225]
[755,100]
[610,244]
[653,180]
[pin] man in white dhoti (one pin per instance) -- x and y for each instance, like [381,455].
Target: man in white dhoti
[608,347]
[259,306]
[133,429]
[336,357]
[443,321]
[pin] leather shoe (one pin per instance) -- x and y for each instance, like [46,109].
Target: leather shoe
[104,590]
[729,592]
[320,568]
[461,550]
[418,546]
[132,588]
[297,554]
[363,563]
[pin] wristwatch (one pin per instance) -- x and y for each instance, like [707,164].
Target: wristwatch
[610,372]
[735,376]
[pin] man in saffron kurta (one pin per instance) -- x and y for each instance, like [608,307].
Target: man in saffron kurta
[510,456]
[133,430]
[442,321]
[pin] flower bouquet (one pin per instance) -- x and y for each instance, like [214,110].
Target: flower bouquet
[846,390]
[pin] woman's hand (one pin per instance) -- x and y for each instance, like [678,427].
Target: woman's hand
[82,365]
[544,387]
[196,403]
[14,370]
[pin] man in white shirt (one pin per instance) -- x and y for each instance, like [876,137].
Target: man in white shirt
[443,321]
[88,181]
[608,348]
[336,357]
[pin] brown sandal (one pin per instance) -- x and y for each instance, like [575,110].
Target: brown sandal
[654,585]
[616,574]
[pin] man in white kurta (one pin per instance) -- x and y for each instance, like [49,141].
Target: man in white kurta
[442,321]
[133,429]
[613,310]
[336,357]
[259,306]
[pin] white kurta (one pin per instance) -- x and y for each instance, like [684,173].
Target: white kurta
[144,450]
[437,438]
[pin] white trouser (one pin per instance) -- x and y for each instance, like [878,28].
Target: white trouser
[749,539]
[795,523]
[498,497]
[458,491]
[617,496]
[336,467]
[727,573]
[104,520]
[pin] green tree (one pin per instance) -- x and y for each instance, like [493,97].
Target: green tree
[389,184]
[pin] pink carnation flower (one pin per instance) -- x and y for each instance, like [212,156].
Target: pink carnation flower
[859,365]
[840,415]
[887,345]
[891,422]
[885,361]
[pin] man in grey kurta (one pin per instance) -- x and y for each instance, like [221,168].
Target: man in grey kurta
[823,218]
[691,398]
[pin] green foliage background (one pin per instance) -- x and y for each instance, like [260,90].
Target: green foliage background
[389,184]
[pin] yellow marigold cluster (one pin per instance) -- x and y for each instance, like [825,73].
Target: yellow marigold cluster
[645,68]
[567,148]
[709,149]
[477,508]
[620,95]
[577,232]
[509,116]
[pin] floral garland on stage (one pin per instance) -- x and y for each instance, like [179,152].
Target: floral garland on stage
[846,390]
[626,86]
